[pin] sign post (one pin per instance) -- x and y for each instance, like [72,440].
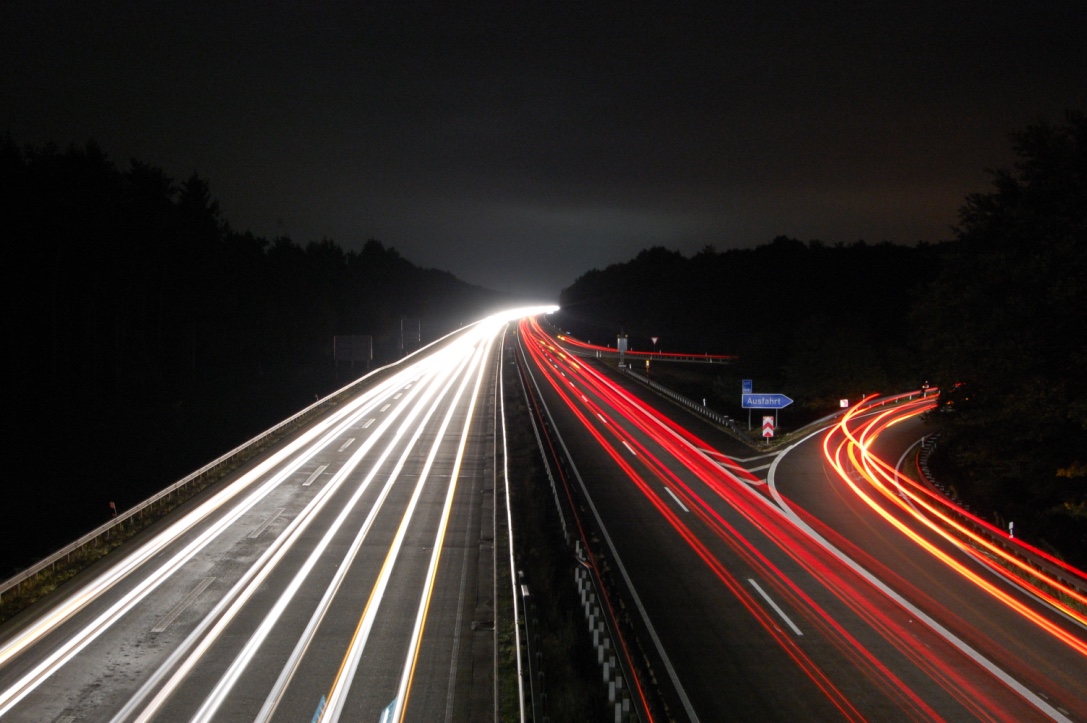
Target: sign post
[746,386]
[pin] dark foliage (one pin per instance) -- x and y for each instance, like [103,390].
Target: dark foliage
[815,321]
[1005,328]
[995,317]
[146,337]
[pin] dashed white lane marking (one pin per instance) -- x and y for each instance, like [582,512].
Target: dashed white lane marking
[774,605]
[316,473]
[681,505]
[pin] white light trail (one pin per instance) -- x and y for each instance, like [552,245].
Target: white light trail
[337,696]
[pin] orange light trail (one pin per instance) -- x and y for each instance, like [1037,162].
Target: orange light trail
[855,446]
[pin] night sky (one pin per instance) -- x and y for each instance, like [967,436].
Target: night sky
[519,146]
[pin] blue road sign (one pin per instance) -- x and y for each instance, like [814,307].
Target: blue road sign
[745,386]
[764,401]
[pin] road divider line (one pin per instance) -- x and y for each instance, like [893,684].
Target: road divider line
[346,444]
[316,473]
[774,605]
[681,505]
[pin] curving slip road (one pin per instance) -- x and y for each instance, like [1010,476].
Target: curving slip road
[791,599]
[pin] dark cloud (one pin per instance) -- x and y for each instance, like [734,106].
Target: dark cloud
[520,146]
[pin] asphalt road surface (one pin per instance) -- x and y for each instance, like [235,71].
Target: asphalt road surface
[347,573]
[792,600]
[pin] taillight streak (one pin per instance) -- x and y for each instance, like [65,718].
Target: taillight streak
[855,447]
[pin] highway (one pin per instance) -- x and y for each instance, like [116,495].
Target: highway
[346,575]
[950,566]
[777,592]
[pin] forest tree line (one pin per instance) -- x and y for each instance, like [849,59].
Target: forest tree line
[994,317]
[146,336]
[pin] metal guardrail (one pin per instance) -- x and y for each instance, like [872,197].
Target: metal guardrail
[721,420]
[928,446]
[92,538]
[602,626]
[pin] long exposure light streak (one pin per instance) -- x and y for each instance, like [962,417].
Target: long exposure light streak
[395,409]
[855,448]
[13,694]
[404,691]
[218,694]
[735,586]
[573,381]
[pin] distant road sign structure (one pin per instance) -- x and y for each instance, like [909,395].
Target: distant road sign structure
[746,386]
[764,401]
[767,427]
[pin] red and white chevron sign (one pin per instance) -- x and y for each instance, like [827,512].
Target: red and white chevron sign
[768,427]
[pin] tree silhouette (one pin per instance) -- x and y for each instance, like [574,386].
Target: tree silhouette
[1004,322]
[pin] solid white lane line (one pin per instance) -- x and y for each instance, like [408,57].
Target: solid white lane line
[419,414]
[630,448]
[345,677]
[139,708]
[439,542]
[256,533]
[669,668]
[215,698]
[774,605]
[180,607]
[316,473]
[681,505]
[946,634]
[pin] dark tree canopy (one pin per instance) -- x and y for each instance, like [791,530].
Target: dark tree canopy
[818,321]
[1006,333]
[994,316]
[146,336]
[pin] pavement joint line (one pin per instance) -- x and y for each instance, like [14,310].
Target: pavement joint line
[180,607]
[264,526]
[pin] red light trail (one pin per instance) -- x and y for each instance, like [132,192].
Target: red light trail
[622,424]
